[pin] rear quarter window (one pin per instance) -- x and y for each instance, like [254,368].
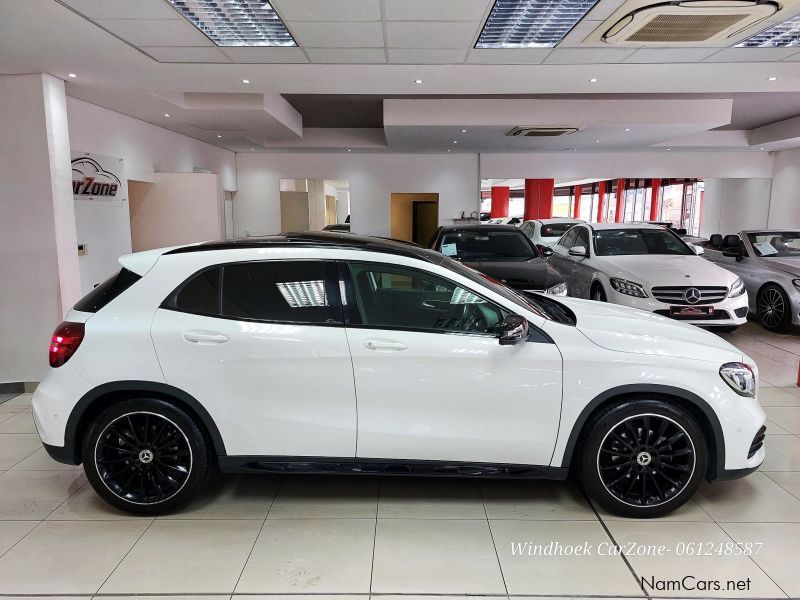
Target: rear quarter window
[107,291]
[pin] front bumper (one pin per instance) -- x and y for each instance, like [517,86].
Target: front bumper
[729,312]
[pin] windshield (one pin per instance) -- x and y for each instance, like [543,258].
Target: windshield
[775,243]
[619,242]
[545,307]
[487,245]
[555,229]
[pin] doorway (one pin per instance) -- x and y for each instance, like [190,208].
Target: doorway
[313,204]
[415,217]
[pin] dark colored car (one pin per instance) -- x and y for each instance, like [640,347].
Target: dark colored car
[502,252]
[340,227]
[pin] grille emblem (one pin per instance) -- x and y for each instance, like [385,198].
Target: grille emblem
[692,295]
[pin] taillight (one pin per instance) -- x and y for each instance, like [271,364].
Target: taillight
[65,341]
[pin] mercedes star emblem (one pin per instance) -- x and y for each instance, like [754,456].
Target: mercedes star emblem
[692,295]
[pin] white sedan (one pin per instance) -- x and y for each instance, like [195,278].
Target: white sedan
[547,232]
[331,353]
[651,268]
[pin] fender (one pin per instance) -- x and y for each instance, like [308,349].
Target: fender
[72,445]
[718,441]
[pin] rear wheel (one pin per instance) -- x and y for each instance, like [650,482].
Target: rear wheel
[643,458]
[773,309]
[145,456]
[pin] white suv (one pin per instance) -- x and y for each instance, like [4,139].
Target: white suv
[651,268]
[330,353]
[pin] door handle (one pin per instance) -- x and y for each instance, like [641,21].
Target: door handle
[204,337]
[384,345]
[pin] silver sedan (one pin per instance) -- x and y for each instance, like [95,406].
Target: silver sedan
[768,260]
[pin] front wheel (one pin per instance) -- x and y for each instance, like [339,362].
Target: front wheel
[643,458]
[773,308]
[145,456]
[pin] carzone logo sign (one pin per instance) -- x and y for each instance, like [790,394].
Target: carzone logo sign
[91,180]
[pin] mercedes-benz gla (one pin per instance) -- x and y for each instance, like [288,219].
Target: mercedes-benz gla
[347,354]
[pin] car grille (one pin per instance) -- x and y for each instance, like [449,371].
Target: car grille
[674,294]
[758,441]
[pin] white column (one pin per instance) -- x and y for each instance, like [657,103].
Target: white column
[38,245]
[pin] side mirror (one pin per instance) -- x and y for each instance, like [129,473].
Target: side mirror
[699,250]
[545,251]
[513,329]
[578,251]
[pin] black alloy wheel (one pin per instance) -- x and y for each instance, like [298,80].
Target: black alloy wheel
[642,457]
[645,460]
[145,456]
[772,307]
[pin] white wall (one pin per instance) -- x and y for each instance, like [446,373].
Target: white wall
[38,247]
[373,178]
[785,199]
[731,205]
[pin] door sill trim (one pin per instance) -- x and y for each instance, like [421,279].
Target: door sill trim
[383,466]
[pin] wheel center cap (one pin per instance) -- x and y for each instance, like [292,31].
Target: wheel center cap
[146,456]
[644,458]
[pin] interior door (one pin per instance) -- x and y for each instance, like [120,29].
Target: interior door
[261,345]
[432,380]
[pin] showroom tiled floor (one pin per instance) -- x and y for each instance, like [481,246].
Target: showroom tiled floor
[352,537]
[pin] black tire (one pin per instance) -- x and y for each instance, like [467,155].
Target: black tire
[146,456]
[598,293]
[773,308]
[642,458]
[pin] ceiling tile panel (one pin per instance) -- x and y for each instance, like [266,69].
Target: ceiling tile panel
[508,56]
[670,55]
[408,34]
[328,10]
[588,56]
[347,55]
[123,9]
[751,54]
[258,55]
[436,10]
[312,34]
[424,56]
[143,32]
[201,54]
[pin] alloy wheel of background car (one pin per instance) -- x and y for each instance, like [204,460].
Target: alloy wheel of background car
[643,458]
[145,456]
[772,308]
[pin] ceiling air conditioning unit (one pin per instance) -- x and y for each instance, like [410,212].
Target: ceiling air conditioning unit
[520,131]
[681,23]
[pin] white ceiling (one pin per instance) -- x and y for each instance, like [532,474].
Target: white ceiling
[142,58]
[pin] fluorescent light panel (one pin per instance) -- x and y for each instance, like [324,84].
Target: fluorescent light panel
[531,23]
[782,35]
[236,22]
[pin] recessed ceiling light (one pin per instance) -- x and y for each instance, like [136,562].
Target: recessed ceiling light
[73,75]
[252,149]
[418,81]
[463,131]
[449,150]
[531,23]
[236,22]
[245,81]
[781,35]
[669,149]
[772,79]
[593,80]
[167,115]
[597,141]
[761,148]
[349,149]
[455,141]
[627,129]
[219,136]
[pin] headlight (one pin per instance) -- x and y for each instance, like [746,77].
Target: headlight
[740,378]
[796,283]
[560,289]
[628,288]
[737,289]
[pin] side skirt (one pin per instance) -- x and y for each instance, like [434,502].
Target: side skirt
[377,466]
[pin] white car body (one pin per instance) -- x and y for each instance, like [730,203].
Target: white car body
[652,272]
[533,229]
[272,391]
[504,221]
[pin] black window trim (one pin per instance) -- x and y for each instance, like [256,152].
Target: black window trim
[535,334]
[331,291]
